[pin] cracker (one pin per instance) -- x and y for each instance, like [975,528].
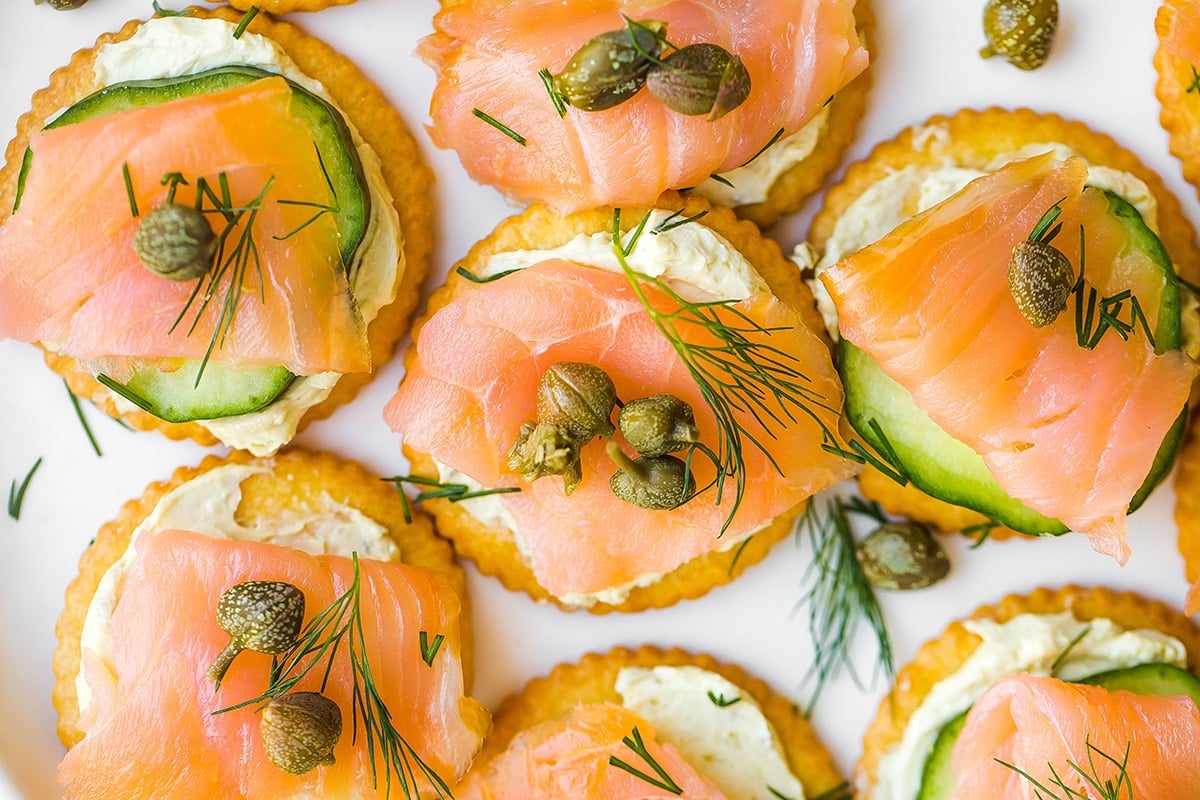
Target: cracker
[287,6]
[1187,503]
[940,657]
[974,138]
[593,680]
[379,124]
[493,549]
[300,480]
[1180,114]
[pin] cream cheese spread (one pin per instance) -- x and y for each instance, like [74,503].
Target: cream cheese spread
[1026,643]
[207,505]
[718,728]
[175,46]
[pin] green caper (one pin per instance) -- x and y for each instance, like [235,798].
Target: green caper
[176,242]
[546,449]
[610,68]
[902,555]
[700,79]
[577,397]
[263,616]
[655,482]
[1020,30]
[299,731]
[1040,280]
[657,425]
[64,5]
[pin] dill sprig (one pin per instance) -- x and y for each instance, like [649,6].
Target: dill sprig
[16,494]
[87,429]
[332,207]
[500,126]
[842,791]
[1195,84]
[676,220]
[838,594]
[635,743]
[1066,652]
[250,14]
[159,11]
[980,532]
[133,206]
[339,626]
[778,135]
[473,278]
[429,650]
[1118,787]
[454,492]
[1097,316]
[721,701]
[556,97]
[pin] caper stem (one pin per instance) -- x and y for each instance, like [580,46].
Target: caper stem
[220,664]
[626,463]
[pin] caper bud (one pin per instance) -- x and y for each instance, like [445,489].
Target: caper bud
[902,555]
[577,397]
[1040,280]
[1020,30]
[610,68]
[65,5]
[657,425]
[700,79]
[655,482]
[546,449]
[263,616]
[175,242]
[299,731]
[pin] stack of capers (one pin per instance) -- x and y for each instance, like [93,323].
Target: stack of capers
[613,66]
[654,426]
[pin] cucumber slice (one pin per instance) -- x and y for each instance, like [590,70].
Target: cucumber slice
[223,390]
[936,779]
[884,413]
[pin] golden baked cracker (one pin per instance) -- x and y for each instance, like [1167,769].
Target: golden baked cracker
[379,125]
[593,680]
[973,139]
[493,549]
[940,657]
[1187,502]
[1180,114]
[299,480]
[286,6]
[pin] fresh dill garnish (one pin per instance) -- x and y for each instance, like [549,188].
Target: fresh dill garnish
[22,176]
[840,792]
[250,14]
[1042,231]
[338,626]
[1097,316]
[981,532]
[838,594]
[454,492]
[1062,657]
[87,429]
[429,651]
[560,105]
[721,701]
[778,135]
[670,223]
[737,555]
[473,278]
[166,12]
[1118,787]
[1195,85]
[124,391]
[16,494]
[322,208]
[500,126]
[635,743]
[779,794]
[173,180]
[721,179]
[133,206]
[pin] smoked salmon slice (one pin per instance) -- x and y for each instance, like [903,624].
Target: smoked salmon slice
[1181,36]
[1070,432]
[487,55]
[473,383]
[150,730]
[569,759]
[1035,723]
[70,278]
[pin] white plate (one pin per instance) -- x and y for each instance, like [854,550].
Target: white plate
[925,62]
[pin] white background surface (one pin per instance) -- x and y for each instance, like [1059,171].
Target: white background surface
[925,62]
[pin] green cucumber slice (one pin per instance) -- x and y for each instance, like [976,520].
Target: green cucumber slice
[223,390]
[936,778]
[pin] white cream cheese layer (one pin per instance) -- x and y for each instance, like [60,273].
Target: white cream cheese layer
[1026,643]
[207,505]
[718,728]
[694,261]
[175,46]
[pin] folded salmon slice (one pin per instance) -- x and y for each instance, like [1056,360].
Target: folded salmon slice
[1038,723]
[69,275]
[1180,34]
[1071,433]
[150,730]
[799,53]
[474,382]
[569,759]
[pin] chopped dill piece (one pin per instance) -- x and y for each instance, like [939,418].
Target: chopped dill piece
[1119,787]
[778,135]
[556,97]
[126,392]
[250,14]
[166,12]
[173,180]
[670,223]
[1062,657]
[635,743]
[721,701]
[22,176]
[981,532]
[83,420]
[429,651]
[840,792]
[322,208]
[473,278]
[1096,316]
[454,492]
[500,126]
[1195,84]
[133,206]
[721,179]
[737,555]
[16,494]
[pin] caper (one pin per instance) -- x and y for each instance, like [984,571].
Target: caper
[902,555]
[176,242]
[1020,30]
[299,731]
[655,482]
[263,616]
[657,425]
[546,449]
[610,68]
[577,397]
[65,5]
[1040,280]
[700,79]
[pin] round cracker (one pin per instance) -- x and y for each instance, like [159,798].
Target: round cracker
[300,480]
[377,122]
[493,549]
[1187,502]
[287,6]
[940,657]
[593,680]
[973,138]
